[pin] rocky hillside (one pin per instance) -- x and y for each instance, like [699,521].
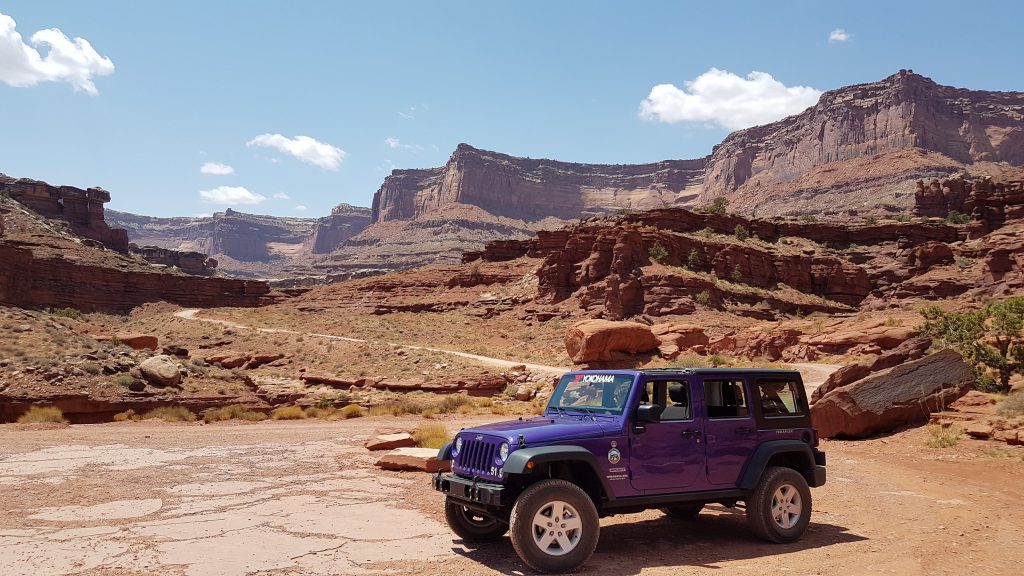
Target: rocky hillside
[861,148]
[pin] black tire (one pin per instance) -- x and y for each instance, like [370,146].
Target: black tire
[542,499]
[470,525]
[684,511]
[782,527]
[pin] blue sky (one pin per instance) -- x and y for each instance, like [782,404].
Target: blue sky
[234,83]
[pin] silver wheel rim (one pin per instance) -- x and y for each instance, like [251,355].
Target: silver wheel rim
[557,528]
[786,506]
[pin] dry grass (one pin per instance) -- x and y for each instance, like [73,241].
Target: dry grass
[233,412]
[127,415]
[939,437]
[288,413]
[170,414]
[352,411]
[1012,405]
[431,435]
[42,415]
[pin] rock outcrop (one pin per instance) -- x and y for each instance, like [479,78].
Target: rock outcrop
[332,231]
[905,394]
[605,340]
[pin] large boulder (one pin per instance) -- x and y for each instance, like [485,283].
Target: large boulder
[390,441]
[675,338]
[910,350]
[413,459]
[161,371]
[602,340]
[138,341]
[886,400]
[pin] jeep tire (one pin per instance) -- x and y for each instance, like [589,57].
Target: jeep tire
[554,526]
[684,511]
[470,525]
[780,507]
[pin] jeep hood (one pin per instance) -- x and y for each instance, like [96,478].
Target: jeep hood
[543,430]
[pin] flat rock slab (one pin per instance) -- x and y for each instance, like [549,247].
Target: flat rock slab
[391,441]
[413,459]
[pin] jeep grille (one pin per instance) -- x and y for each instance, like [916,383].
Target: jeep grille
[477,456]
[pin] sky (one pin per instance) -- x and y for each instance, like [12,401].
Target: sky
[289,108]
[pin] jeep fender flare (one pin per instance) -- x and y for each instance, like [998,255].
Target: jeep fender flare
[757,463]
[445,453]
[519,460]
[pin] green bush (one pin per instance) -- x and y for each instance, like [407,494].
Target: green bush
[870,220]
[741,233]
[717,206]
[41,415]
[807,218]
[658,253]
[703,297]
[901,218]
[72,313]
[955,217]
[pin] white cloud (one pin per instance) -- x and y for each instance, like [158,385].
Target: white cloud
[395,143]
[73,61]
[304,148]
[723,98]
[230,196]
[838,35]
[216,169]
[300,208]
[281,196]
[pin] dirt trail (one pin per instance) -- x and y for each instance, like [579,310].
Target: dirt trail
[813,374]
[293,498]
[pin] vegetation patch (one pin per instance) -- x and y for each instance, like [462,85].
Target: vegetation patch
[170,414]
[43,415]
[233,412]
[288,413]
[432,435]
[939,437]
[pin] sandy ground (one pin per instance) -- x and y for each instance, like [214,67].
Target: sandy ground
[294,498]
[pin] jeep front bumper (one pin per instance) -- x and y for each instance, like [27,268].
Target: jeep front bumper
[472,492]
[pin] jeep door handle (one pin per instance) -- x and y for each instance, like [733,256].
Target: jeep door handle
[744,431]
[690,433]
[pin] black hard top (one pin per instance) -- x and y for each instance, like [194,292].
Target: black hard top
[765,371]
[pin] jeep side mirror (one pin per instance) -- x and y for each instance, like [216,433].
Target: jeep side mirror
[649,413]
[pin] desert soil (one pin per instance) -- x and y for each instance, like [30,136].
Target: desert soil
[293,498]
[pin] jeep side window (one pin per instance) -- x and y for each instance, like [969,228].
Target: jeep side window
[674,395]
[725,399]
[779,397]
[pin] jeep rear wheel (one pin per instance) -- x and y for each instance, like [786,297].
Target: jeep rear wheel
[684,511]
[780,507]
[472,526]
[554,526]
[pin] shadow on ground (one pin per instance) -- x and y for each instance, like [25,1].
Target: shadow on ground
[719,535]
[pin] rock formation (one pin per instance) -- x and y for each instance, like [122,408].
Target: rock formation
[604,340]
[332,231]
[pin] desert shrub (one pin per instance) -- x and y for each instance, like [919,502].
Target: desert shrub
[658,252]
[693,260]
[893,322]
[170,414]
[352,411]
[483,402]
[114,342]
[67,313]
[716,206]
[429,413]
[939,437]
[92,368]
[474,270]
[465,409]
[499,409]
[807,218]
[963,262]
[741,233]
[737,275]
[431,435]
[288,413]
[955,217]
[399,407]
[717,360]
[703,297]
[902,218]
[452,402]
[706,232]
[690,362]
[870,220]
[127,415]
[233,412]
[40,415]
[1012,405]
[990,339]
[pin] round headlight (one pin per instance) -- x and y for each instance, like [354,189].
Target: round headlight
[503,451]
[458,445]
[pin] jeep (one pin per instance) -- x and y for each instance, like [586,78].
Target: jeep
[623,441]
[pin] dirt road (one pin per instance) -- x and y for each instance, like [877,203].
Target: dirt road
[292,498]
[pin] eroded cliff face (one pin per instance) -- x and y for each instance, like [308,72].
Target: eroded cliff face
[331,231]
[530,190]
[859,138]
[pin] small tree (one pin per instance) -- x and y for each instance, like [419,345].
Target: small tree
[955,217]
[741,233]
[717,206]
[990,339]
[693,260]
[658,253]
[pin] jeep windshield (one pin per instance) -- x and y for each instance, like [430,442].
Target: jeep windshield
[592,393]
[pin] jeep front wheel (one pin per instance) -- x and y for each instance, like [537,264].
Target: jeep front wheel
[554,526]
[780,507]
[472,526]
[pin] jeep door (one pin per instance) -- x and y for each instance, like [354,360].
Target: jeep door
[668,455]
[729,431]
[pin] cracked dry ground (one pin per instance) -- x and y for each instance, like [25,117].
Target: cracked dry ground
[293,498]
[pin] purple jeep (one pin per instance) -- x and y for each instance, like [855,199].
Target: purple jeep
[622,441]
